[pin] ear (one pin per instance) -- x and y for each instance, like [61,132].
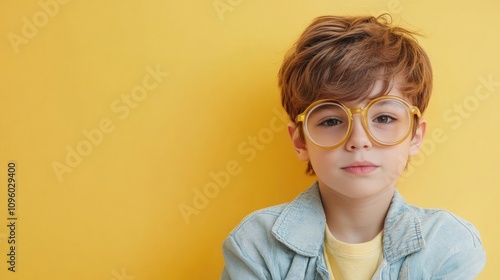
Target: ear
[298,144]
[418,138]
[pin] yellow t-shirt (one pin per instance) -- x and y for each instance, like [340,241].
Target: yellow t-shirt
[352,261]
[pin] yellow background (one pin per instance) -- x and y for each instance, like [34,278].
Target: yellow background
[117,214]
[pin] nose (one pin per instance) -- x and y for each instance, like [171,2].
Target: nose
[358,139]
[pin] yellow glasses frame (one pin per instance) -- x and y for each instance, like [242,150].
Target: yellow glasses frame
[413,110]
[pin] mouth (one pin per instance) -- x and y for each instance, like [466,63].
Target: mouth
[360,168]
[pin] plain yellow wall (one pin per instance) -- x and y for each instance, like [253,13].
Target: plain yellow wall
[144,131]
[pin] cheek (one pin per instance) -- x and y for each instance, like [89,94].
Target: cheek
[323,160]
[398,159]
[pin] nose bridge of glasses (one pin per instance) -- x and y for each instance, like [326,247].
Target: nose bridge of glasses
[356,110]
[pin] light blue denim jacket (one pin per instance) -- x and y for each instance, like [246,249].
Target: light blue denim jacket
[286,242]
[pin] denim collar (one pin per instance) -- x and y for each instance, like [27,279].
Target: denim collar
[402,230]
[301,226]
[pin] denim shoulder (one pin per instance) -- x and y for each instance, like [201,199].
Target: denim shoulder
[250,249]
[453,246]
[447,228]
[258,223]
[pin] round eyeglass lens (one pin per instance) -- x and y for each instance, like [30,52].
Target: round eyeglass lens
[327,124]
[389,121]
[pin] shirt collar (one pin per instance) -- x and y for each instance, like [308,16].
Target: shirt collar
[402,230]
[301,226]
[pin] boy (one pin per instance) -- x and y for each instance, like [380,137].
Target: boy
[355,88]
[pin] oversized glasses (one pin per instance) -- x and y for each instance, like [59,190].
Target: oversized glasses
[387,120]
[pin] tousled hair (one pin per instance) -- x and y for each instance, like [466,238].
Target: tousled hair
[342,58]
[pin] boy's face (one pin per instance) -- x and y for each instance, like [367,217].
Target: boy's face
[359,168]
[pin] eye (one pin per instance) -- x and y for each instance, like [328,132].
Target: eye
[331,122]
[384,119]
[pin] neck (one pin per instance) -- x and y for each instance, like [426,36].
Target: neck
[355,220]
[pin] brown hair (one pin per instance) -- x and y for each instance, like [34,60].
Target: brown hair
[342,58]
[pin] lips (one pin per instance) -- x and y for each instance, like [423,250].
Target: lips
[360,167]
